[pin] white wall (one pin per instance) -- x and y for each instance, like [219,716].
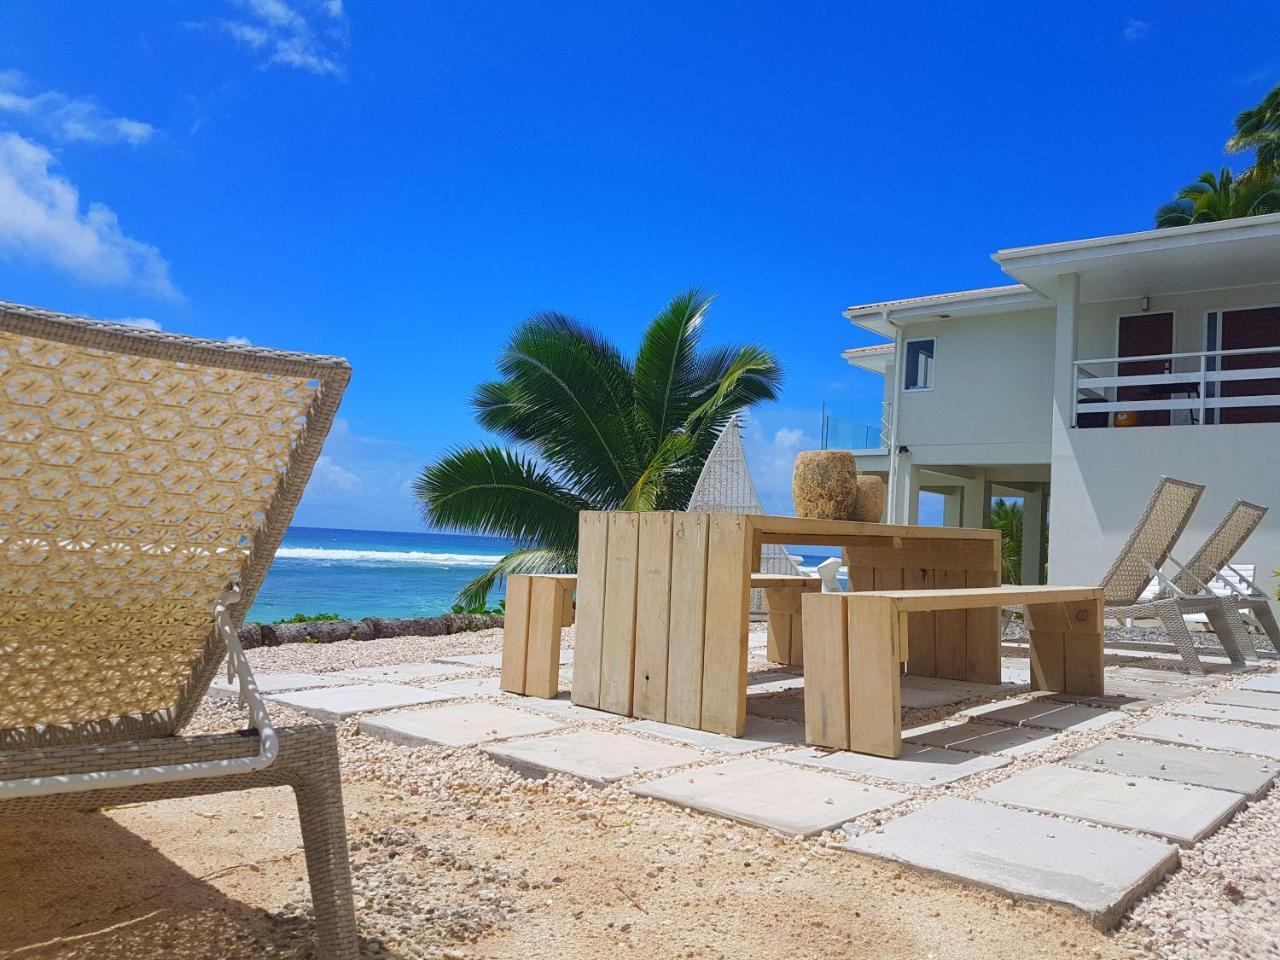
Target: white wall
[992,395]
[1102,479]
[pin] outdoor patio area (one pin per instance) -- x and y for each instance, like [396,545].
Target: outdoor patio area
[1086,802]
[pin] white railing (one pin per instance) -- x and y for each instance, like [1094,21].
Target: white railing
[1189,382]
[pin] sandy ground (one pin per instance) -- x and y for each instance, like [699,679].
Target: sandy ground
[455,856]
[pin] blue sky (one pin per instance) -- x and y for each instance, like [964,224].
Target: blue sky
[400,183]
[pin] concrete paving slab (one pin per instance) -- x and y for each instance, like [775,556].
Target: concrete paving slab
[761,734]
[1230,712]
[561,707]
[402,671]
[455,725]
[1166,761]
[1175,811]
[1270,683]
[917,766]
[1015,670]
[788,705]
[596,756]
[986,738]
[491,661]
[1156,675]
[336,703]
[475,687]
[1258,699]
[277,683]
[1211,735]
[1132,696]
[1046,714]
[777,796]
[959,689]
[1027,855]
[773,681]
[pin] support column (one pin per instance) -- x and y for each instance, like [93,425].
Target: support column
[952,500]
[913,494]
[1064,354]
[975,510]
[1032,534]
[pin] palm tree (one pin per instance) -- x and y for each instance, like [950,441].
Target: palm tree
[1258,129]
[1006,516]
[603,431]
[1220,196]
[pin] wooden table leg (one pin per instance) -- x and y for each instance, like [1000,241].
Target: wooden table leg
[724,655]
[826,670]
[1082,649]
[875,696]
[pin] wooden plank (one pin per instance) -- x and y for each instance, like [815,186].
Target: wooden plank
[861,578]
[618,648]
[546,609]
[950,630]
[982,632]
[778,626]
[1082,653]
[931,554]
[1046,627]
[826,670]
[688,618]
[515,634]
[888,578]
[588,637]
[921,660]
[774,529]
[724,651]
[653,615]
[962,597]
[875,699]
[767,580]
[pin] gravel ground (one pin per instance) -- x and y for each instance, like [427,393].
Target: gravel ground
[456,856]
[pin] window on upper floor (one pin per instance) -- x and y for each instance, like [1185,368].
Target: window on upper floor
[918,374]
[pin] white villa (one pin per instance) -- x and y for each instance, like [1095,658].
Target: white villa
[1106,364]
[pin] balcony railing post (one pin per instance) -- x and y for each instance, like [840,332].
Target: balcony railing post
[1203,361]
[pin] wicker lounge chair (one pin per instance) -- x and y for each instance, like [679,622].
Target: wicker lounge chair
[145,482]
[1195,578]
[1141,559]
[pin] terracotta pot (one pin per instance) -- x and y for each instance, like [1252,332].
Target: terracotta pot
[825,484]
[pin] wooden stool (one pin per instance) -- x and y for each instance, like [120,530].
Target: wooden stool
[782,593]
[538,605]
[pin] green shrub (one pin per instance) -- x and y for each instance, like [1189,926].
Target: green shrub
[308,618]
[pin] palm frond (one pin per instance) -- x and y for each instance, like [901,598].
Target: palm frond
[525,560]
[666,369]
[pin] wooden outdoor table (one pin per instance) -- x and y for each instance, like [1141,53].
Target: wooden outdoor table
[663,601]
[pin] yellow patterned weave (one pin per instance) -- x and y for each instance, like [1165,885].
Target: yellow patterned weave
[132,489]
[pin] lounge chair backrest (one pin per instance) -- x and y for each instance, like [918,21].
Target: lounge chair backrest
[141,473]
[1148,546]
[1223,544]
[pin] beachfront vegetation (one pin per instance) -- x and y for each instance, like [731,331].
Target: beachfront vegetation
[1225,196]
[308,618]
[1006,516]
[593,429]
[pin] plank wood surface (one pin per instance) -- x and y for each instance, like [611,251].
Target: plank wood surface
[542,654]
[588,638]
[515,634]
[875,716]
[950,628]
[982,632]
[724,652]
[653,616]
[618,644]
[826,671]
[688,618]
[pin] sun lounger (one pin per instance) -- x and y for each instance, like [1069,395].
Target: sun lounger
[146,480]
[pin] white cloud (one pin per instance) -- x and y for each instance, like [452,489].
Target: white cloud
[142,323]
[67,119]
[310,36]
[240,341]
[1135,29]
[41,220]
[771,461]
[330,478]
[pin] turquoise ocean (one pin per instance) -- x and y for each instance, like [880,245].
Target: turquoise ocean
[372,573]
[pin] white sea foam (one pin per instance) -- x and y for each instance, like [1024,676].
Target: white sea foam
[372,557]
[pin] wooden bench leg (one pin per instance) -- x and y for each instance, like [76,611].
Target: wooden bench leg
[1082,648]
[546,613]
[515,634]
[1047,628]
[826,671]
[876,642]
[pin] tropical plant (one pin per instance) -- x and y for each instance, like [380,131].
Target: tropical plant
[308,618]
[1220,196]
[481,609]
[594,429]
[1006,516]
[1258,129]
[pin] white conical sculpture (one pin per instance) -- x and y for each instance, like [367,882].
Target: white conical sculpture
[725,486]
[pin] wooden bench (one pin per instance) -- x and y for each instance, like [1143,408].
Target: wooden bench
[856,645]
[782,593]
[538,605]
[531,633]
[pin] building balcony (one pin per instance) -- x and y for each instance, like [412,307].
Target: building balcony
[839,433]
[1207,387]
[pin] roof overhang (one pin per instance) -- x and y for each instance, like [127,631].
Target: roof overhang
[884,318]
[1208,256]
[875,358]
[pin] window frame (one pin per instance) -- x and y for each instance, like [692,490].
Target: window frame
[906,348]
